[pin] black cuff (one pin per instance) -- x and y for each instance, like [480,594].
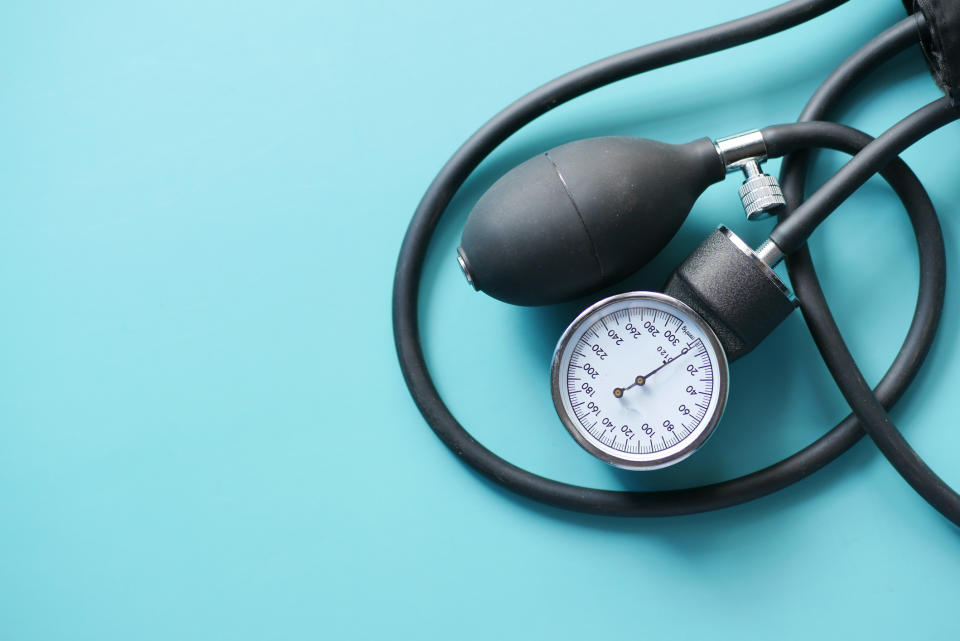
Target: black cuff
[941,41]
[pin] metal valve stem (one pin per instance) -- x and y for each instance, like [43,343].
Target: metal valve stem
[760,193]
[769,253]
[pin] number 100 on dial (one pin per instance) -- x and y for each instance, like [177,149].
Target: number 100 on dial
[639,380]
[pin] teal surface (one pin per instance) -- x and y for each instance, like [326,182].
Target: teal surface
[204,433]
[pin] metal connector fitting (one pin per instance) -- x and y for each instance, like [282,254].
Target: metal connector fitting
[465,268]
[760,193]
[736,151]
[769,253]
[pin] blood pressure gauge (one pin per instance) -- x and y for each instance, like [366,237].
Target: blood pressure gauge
[640,380]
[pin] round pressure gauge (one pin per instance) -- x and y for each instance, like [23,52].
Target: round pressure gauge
[639,380]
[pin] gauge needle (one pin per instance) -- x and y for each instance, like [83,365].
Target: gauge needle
[642,380]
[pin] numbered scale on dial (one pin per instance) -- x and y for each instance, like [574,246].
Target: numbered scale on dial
[640,380]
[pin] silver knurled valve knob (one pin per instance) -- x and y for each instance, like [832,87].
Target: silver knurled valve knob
[760,193]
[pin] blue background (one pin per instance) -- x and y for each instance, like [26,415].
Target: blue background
[204,433]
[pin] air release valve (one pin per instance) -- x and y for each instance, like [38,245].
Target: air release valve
[760,193]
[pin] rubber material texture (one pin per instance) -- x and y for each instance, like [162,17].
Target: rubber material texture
[732,492]
[829,341]
[582,216]
[940,36]
[792,231]
[800,265]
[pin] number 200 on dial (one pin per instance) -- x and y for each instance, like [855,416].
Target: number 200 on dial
[639,380]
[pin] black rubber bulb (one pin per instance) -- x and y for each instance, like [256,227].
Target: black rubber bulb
[582,216]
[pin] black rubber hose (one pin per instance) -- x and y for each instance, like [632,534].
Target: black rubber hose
[800,265]
[844,369]
[608,502]
[877,423]
[794,230]
[793,171]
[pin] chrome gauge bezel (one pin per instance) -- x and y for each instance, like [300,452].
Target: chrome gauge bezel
[623,460]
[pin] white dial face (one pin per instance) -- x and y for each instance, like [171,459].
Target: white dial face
[639,380]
